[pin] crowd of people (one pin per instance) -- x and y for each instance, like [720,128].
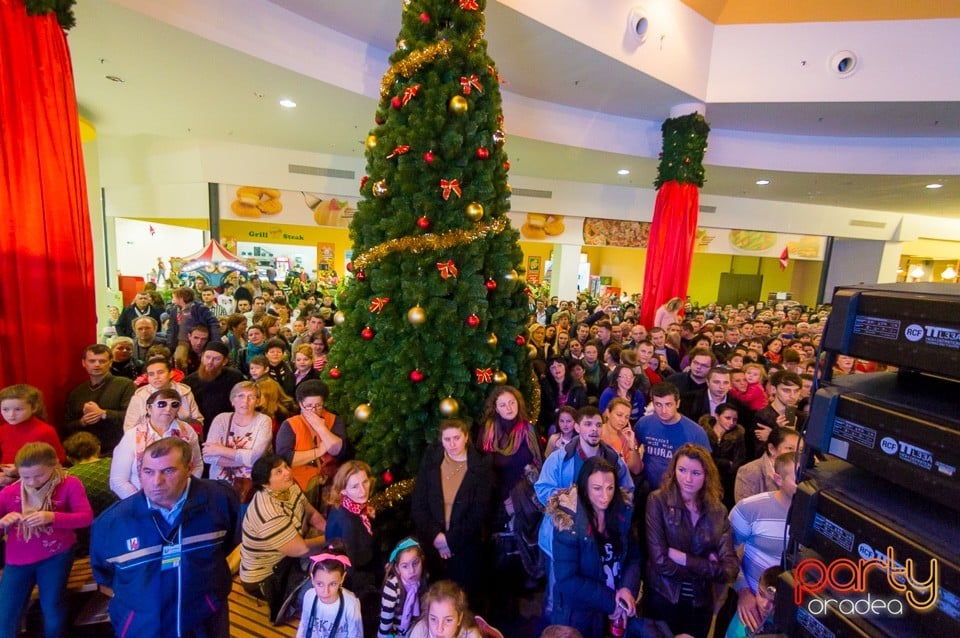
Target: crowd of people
[661,459]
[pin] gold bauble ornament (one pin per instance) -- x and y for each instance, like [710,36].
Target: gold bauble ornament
[362,412]
[402,44]
[417,316]
[380,188]
[449,407]
[499,377]
[531,351]
[499,137]
[458,104]
[339,318]
[492,340]
[371,142]
[511,276]
[406,4]
[474,212]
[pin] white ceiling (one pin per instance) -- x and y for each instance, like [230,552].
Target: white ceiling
[179,85]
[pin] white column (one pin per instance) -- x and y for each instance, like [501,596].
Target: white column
[566,265]
[861,261]
[889,262]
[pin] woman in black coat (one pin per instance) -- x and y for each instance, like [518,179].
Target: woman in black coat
[453,538]
[558,389]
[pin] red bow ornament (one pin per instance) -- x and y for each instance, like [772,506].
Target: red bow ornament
[450,186]
[400,150]
[448,269]
[470,83]
[378,303]
[484,375]
[493,71]
[409,93]
[469,5]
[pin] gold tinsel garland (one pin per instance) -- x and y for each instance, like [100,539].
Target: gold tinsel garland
[392,495]
[417,59]
[534,411]
[427,242]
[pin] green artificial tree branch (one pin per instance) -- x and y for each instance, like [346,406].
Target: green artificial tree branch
[684,144]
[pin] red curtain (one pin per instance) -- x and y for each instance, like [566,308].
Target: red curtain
[673,236]
[47,309]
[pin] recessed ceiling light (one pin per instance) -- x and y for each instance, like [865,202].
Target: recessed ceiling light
[288,104]
[623,171]
[934,185]
[762,182]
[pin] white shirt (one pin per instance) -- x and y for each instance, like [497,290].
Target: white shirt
[124,468]
[249,441]
[351,622]
[138,404]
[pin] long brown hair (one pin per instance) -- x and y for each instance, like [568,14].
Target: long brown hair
[710,494]
[488,439]
[490,407]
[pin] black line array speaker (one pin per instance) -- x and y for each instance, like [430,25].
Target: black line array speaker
[875,525]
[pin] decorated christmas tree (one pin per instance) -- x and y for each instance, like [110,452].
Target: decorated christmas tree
[433,315]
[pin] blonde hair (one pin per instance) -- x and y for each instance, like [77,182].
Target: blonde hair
[305,349]
[36,453]
[274,402]
[343,475]
[757,366]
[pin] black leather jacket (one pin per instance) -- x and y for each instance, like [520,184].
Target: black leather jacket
[669,525]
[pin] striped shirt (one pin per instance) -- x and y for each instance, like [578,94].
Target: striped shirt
[267,526]
[759,523]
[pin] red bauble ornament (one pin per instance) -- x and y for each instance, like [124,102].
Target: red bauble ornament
[349,266]
[424,17]
[395,102]
[483,153]
[387,477]
[416,376]
[428,157]
[334,372]
[491,284]
[361,275]
[520,340]
[423,223]
[363,181]
[473,321]
[506,166]
[380,120]
[367,333]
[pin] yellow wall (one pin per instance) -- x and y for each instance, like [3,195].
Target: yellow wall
[626,265]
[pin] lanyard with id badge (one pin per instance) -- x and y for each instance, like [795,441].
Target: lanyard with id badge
[171,551]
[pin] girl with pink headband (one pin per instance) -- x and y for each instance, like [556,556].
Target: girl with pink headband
[329,610]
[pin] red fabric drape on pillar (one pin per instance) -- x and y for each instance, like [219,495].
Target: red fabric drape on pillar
[47,308]
[673,236]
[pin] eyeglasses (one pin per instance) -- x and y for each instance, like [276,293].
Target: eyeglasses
[315,406]
[163,404]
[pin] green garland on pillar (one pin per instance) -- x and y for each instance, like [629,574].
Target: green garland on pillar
[684,143]
[63,9]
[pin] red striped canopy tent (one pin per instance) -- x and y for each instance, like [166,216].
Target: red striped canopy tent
[213,262]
